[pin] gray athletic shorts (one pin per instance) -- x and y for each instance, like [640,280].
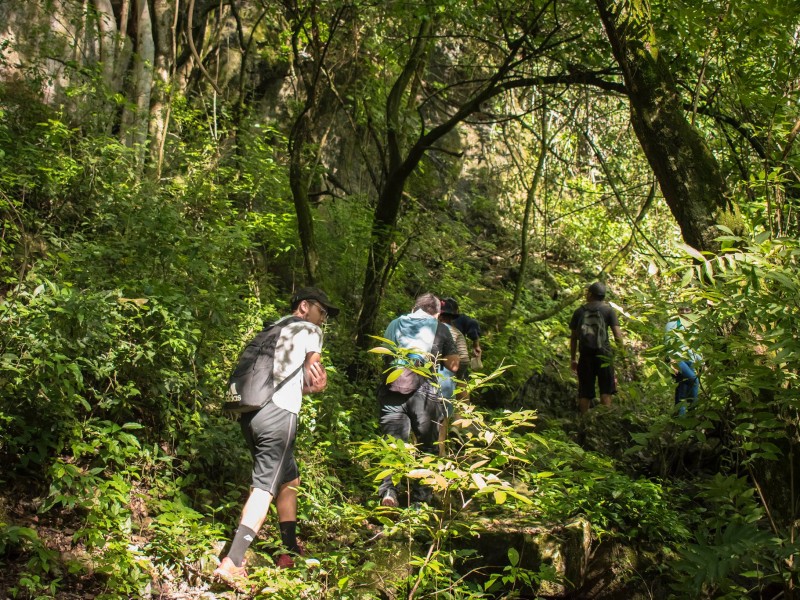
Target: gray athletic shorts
[269,433]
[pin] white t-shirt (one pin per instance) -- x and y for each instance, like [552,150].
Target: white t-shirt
[295,342]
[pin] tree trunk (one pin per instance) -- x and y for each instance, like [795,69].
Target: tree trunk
[124,48]
[135,120]
[299,182]
[305,26]
[107,24]
[687,172]
[529,202]
[399,168]
[111,52]
[144,76]
[90,45]
[164,63]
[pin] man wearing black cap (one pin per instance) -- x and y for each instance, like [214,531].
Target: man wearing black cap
[270,430]
[589,326]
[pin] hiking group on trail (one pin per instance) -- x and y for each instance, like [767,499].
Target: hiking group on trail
[426,363]
[282,363]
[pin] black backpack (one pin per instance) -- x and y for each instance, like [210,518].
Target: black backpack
[251,385]
[593,330]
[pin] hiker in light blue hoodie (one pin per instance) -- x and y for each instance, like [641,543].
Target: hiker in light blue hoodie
[412,402]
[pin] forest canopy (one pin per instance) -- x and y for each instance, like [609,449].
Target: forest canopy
[172,172]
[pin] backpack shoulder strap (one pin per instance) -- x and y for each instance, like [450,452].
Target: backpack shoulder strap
[288,377]
[283,323]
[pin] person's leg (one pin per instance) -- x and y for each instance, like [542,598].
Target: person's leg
[256,508]
[393,421]
[286,505]
[253,515]
[689,377]
[586,378]
[286,501]
[694,390]
[462,376]
[606,379]
[427,412]
[681,391]
[688,387]
[682,387]
[443,435]
[270,434]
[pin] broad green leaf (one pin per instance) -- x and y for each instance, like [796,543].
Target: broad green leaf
[513,556]
[687,277]
[394,375]
[384,474]
[419,473]
[691,252]
[479,481]
[380,350]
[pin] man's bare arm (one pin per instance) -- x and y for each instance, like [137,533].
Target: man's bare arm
[573,350]
[617,331]
[315,376]
[451,361]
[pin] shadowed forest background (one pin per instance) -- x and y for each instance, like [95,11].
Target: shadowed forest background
[172,170]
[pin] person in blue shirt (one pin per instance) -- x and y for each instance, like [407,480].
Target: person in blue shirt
[683,361]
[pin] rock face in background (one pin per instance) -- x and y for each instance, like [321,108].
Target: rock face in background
[29,33]
[570,554]
[549,393]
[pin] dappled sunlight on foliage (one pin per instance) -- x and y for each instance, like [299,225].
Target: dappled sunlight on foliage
[167,183]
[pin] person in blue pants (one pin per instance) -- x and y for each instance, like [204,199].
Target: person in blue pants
[683,360]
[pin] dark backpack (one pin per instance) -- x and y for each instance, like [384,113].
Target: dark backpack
[593,330]
[251,385]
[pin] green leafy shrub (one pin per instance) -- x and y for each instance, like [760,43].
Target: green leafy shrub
[731,552]
[42,571]
[96,484]
[180,537]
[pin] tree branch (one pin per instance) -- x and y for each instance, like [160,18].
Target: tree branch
[572,297]
[193,49]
